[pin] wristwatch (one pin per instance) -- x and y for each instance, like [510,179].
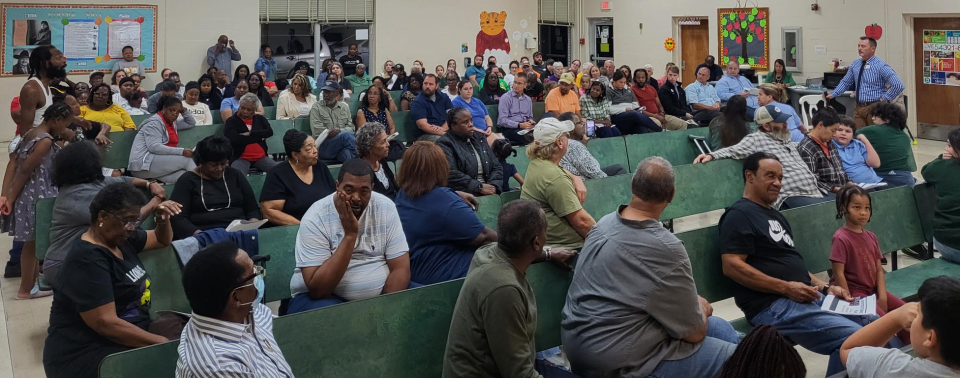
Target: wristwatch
[825,289]
[546,252]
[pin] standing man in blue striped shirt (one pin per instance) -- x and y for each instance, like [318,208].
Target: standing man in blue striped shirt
[872,76]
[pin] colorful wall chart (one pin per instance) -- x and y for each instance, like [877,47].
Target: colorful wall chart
[941,57]
[744,36]
[91,37]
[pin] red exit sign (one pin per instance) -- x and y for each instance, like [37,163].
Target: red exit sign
[605,5]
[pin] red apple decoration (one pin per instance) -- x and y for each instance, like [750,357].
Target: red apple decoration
[752,27]
[759,35]
[726,51]
[873,31]
[729,26]
[140,19]
[738,39]
[743,16]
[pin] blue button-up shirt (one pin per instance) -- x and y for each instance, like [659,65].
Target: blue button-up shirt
[876,75]
[703,94]
[730,86]
[222,60]
[514,109]
[854,158]
[215,348]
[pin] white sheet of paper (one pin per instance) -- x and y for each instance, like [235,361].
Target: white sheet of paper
[859,306]
[320,138]
[871,186]
[242,225]
[80,39]
[123,33]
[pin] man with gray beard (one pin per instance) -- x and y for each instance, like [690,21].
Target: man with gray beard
[799,184]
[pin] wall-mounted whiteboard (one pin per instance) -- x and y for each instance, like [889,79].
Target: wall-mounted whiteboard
[91,37]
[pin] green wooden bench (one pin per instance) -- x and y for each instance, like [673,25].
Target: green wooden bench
[539,108]
[139,118]
[303,124]
[701,188]
[606,194]
[488,210]
[494,112]
[275,142]
[217,118]
[190,137]
[507,197]
[609,151]
[166,288]
[117,154]
[675,146]
[405,126]
[280,244]
[270,112]
[402,334]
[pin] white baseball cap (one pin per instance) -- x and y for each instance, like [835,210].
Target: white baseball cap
[549,129]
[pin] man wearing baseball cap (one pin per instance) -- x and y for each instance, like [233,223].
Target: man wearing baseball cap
[559,193]
[333,115]
[562,99]
[799,184]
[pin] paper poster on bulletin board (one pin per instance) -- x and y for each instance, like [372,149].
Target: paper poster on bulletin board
[744,36]
[91,37]
[941,57]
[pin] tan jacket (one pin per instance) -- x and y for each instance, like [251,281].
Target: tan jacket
[288,107]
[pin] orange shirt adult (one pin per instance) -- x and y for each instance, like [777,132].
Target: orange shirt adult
[559,104]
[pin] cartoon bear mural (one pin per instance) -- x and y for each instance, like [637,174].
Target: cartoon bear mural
[492,38]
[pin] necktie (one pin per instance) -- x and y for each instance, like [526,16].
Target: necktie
[863,64]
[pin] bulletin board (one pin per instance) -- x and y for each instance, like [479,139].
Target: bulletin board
[941,55]
[745,36]
[91,37]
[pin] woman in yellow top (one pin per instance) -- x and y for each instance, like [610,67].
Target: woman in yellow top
[102,109]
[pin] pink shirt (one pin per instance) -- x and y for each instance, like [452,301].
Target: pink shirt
[859,252]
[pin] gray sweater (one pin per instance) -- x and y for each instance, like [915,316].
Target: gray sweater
[71,215]
[151,140]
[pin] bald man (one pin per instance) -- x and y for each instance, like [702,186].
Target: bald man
[221,55]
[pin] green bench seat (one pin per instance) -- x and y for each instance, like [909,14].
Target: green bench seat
[701,188]
[489,210]
[270,112]
[117,154]
[675,146]
[138,119]
[275,142]
[609,151]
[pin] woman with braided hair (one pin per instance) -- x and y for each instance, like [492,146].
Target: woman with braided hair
[764,353]
[27,181]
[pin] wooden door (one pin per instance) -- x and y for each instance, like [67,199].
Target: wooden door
[694,48]
[936,104]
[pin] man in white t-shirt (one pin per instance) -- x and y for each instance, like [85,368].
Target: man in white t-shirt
[350,245]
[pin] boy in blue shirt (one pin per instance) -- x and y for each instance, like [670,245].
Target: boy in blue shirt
[858,156]
[934,335]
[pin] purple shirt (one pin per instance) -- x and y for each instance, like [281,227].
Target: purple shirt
[514,109]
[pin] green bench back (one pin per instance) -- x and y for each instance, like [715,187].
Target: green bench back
[405,126]
[539,108]
[675,146]
[275,142]
[303,124]
[488,210]
[190,137]
[117,154]
[606,194]
[279,243]
[166,287]
[270,112]
[494,112]
[925,196]
[609,151]
[217,118]
[509,196]
[701,188]
[139,118]
[402,334]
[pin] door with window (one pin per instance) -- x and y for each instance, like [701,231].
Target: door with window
[694,48]
[601,36]
[937,78]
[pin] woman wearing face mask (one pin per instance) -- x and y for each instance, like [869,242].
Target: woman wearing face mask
[155,154]
[191,102]
[248,133]
[225,290]
[102,303]
[209,94]
[413,89]
[212,194]
[229,105]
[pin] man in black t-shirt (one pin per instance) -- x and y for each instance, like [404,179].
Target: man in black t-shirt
[775,287]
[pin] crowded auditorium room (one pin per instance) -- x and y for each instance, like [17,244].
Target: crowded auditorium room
[517,189]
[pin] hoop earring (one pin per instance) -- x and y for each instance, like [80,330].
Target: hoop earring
[101,224]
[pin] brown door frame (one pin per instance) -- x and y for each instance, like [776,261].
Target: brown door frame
[678,51]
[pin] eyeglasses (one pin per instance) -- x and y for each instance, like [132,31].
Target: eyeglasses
[128,225]
[257,271]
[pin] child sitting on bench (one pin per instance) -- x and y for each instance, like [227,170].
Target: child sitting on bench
[857,154]
[855,253]
[933,328]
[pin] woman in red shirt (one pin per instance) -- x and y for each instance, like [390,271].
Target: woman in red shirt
[248,133]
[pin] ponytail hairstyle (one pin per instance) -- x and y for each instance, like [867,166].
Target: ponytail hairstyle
[778,94]
[846,193]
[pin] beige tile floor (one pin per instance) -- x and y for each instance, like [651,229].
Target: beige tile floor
[25,322]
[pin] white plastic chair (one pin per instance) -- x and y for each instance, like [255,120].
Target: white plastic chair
[812,101]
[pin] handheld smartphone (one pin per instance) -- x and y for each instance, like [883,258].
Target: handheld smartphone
[394,135]
[524,131]
[591,128]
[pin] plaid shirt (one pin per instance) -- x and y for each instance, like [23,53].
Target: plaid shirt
[798,181]
[593,110]
[829,169]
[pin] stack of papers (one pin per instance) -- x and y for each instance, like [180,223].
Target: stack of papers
[859,306]
[871,186]
[244,225]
